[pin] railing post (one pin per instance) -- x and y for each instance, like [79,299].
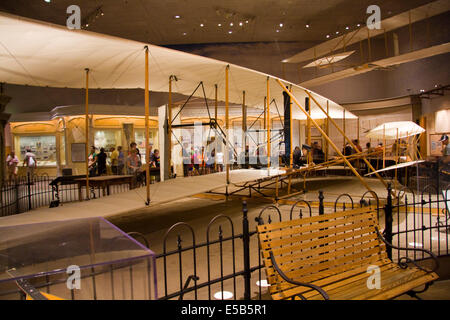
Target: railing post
[246,247]
[321,205]
[388,221]
[16,189]
[29,191]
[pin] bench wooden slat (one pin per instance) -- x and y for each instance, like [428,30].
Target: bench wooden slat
[339,280]
[367,219]
[304,247]
[320,218]
[333,251]
[329,252]
[275,243]
[324,261]
[394,281]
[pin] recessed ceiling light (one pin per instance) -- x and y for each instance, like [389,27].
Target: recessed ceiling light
[307,25]
[337,32]
[48,1]
[328,36]
[184,33]
[219,25]
[230,32]
[246,21]
[241,24]
[231,24]
[281,25]
[177,17]
[202,25]
[346,28]
[358,25]
[278,30]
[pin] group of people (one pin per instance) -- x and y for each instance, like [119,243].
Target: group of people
[120,163]
[197,161]
[12,164]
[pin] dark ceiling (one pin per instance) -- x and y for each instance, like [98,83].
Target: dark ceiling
[262,20]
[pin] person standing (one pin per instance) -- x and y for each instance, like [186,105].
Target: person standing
[92,162]
[114,161]
[11,163]
[134,166]
[101,160]
[186,160]
[120,161]
[30,162]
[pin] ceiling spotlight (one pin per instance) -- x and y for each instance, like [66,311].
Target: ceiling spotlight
[346,28]
[219,25]
[246,21]
[240,24]
[202,25]
[422,90]
[231,24]
[177,17]
[337,32]
[278,30]
[48,1]
[308,25]
[358,25]
[230,32]
[328,36]
[184,33]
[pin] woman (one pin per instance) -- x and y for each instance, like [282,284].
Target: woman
[11,162]
[92,162]
[134,166]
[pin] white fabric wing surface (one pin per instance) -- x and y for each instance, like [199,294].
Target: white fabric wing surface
[394,130]
[36,53]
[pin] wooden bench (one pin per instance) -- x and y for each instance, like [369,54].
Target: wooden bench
[327,257]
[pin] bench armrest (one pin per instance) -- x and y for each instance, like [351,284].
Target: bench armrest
[287,279]
[403,262]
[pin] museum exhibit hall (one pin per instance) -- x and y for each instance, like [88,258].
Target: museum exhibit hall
[239,151]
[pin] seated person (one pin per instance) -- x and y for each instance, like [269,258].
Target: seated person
[155,159]
[318,154]
[301,156]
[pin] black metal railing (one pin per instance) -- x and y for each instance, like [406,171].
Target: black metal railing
[244,262]
[27,193]
[227,258]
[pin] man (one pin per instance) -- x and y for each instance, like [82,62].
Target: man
[444,161]
[30,162]
[445,147]
[318,155]
[114,161]
[101,162]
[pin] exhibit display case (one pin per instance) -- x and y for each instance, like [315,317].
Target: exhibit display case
[85,259]
[43,146]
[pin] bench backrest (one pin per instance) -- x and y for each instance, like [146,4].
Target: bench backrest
[311,249]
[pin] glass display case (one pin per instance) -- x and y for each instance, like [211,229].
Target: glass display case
[44,147]
[84,259]
[107,138]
